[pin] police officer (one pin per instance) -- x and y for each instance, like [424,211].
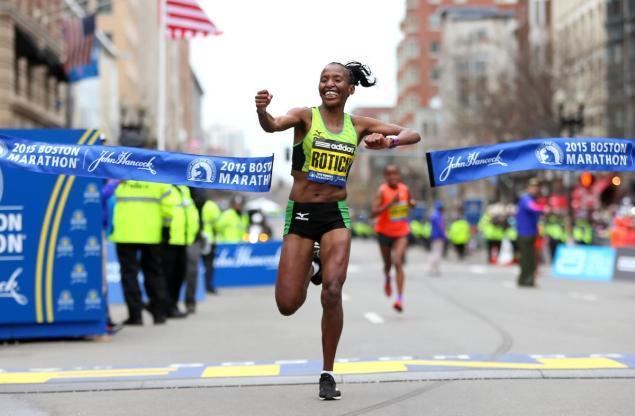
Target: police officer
[136,230]
[555,231]
[459,235]
[180,228]
[232,224]
[582,230]
[209,215]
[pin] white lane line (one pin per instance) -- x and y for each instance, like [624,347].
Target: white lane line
[187,365]
[403,357]
[239,363]
[345,297]
[374,318]
[353,268]
[610,355]
[583,296]
[478,269]
[291,361]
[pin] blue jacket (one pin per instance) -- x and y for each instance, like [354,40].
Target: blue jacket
[438,225]
[527,216]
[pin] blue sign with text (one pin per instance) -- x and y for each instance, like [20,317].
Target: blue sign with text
[584,263]
[246,264]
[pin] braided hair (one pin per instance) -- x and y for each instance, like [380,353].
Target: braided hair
[358,74]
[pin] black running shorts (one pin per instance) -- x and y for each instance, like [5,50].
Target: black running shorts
[314,219]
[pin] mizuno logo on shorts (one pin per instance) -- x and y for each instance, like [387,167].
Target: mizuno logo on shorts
[302,216]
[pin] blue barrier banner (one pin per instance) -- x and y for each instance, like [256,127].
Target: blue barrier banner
[214,172]
[51,280]
[584,263]
[447,167]
[246,264]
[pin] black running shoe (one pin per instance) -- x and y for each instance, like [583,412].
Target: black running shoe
[316,279]
[328,391]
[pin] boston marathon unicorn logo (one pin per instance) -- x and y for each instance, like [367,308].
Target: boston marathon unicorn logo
[549,153]
[201,170]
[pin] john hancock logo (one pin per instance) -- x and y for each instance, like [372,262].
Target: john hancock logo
[549,153]
[79,274]
[92,300]
[92,247]
[91,194]
[11,289]
[201,170]
[65,247]
[65,301]
[78,220]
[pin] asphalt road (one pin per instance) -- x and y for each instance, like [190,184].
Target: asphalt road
[472,313]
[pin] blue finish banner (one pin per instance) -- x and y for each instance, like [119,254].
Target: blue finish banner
[452,166]
[584,263]
[214,172]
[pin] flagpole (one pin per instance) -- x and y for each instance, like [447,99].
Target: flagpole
[161,90]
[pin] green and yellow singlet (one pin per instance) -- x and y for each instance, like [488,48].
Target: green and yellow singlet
[326,157]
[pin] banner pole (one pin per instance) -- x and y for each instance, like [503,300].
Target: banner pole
[161,90]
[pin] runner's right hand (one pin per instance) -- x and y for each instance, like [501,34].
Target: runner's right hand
[263,98]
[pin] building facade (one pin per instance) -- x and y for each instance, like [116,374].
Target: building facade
[620,110]
[33,84]
[418,70]
[581,61]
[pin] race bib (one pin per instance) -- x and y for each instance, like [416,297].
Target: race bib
[398,212]
[330,162]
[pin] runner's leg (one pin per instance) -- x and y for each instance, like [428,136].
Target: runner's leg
[294,272]
[400,246]
[335,253]
[386,256]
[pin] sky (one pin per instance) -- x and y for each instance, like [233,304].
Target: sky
[282,46]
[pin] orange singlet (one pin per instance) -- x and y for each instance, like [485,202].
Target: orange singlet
[393,222]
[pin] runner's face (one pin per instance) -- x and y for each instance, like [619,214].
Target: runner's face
[334,87]
[392,177]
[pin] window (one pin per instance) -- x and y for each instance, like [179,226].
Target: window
[434,22]
[435,75]
[434,47]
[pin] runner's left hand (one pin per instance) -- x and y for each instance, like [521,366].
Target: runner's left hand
[377,141]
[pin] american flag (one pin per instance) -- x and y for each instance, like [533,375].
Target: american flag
[79,35]
[185,19]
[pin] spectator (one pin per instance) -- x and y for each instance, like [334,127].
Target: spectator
[437,238]
[194,253]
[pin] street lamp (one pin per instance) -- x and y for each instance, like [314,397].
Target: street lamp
[571,124]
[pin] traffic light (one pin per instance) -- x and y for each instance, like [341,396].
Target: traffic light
[586,179]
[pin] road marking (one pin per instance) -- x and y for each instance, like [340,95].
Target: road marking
[237,363]
[476,269]
[242,371]
[291,361]
[583,296]
[451,357]
[187,365]
[285,368]
[374,318]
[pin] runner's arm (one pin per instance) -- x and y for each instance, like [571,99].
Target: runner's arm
[269,123]
[379,135]
[378,207]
